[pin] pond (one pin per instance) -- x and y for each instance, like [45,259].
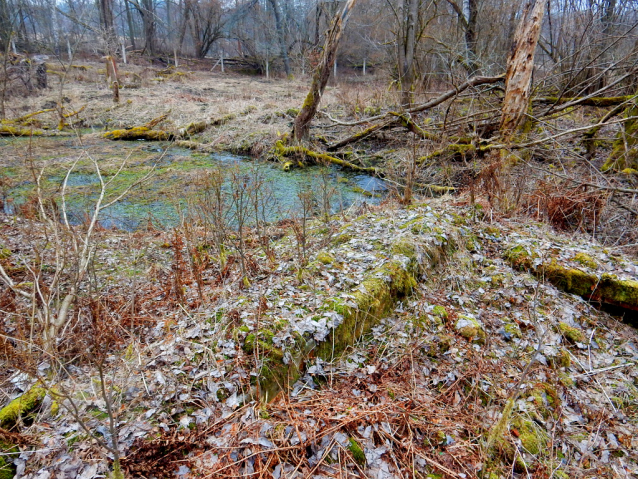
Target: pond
[181,182]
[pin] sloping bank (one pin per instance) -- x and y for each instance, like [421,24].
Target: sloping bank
[415,253]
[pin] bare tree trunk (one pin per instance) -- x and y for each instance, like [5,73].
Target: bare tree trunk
[520,67]
[469,25]
[471,36]
[281,35]
[5,26]
[131,26]
[408,47]
[322,74]
[182,29]
[108,28]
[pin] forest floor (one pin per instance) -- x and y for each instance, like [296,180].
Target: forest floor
[447,337]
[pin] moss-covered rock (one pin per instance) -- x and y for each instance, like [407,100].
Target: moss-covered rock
[471,329]
[533,439]
[325,258]
[572,334]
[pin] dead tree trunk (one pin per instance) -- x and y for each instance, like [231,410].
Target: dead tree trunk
[322,74]
[520,67]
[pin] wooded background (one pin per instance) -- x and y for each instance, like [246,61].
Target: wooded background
[583,43]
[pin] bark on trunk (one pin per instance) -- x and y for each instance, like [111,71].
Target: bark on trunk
[520,67]
[281,35]
[131,26]
[408,47]
[322,74]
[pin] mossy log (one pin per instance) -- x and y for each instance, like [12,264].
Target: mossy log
[397,119]
[376,296]
[603,288]
[362,135]
[281,151]
[139,133]
[597,101]
[11,130]
[9,417]
[21,406]
[25,118]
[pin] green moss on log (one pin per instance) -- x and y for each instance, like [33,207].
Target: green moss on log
[375,298]
[282,151]
[139,133]
[21,406]
[9,130]
[606,288]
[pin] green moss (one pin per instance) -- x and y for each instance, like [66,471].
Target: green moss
[617,291]
[545,399]
[7,469]
[21,406]
[357,453]
[341,239]
[404,247]
[533,439]
[585,260]
[4,252]
[572,334]
[520,257]
[325,258]
[376,297]
[566,380]
[8,130]
[513,329]
[439,345]
[471,329]
[440,311]
[607,288]
[264,341]
[564,359]
[138,133]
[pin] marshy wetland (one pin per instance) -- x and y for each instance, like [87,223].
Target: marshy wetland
[163,182]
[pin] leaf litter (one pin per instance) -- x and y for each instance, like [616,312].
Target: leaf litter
[416,397]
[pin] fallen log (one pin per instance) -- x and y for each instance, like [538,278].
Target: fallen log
[472,82]
[11,130]
[139,133]
[281,151]
[586,101]
[400,119]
